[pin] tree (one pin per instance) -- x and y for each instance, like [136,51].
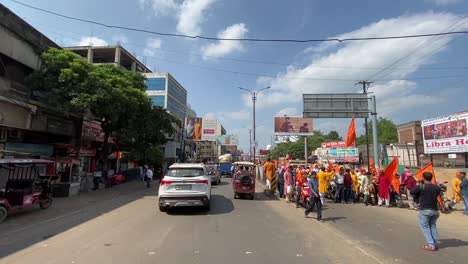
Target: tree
[388,132]
[114,96]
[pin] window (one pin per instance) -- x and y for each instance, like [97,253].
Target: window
[185,172]
[156,84]
[158,100]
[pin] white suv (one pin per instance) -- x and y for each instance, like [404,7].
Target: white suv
[185,184]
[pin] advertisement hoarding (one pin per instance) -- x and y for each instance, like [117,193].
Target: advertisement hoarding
[334,144]
[293,126]
[228,140]
[193,128]
[209,130]
[446,134]
[338,154]
[284,139]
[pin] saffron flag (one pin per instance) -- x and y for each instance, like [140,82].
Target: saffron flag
[390,172]
[419,176]
[351,137]
[329,164]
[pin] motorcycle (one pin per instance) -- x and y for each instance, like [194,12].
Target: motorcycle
[305,194]
[331,191]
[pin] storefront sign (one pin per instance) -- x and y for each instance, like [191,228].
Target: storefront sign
[82,152]
[334,144]
[446,134]
[41,150]
[92,130]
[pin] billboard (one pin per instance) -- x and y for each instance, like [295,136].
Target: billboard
[344,105]
[209,130]
[293,126]
[338,154]
[193,128]
[446,134]
[228,140]
[334,144]
[284,139]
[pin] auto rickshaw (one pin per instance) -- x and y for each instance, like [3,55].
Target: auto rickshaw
[243,180]
[24,183]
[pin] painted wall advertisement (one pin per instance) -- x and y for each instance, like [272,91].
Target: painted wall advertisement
[209,130]
[446,134]
[293,126]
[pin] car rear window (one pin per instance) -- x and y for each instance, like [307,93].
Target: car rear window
[185,172]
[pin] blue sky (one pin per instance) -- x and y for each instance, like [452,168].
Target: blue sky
[211,71]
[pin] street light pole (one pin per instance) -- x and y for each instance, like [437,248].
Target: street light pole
[254,99]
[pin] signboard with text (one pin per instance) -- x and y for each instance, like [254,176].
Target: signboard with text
[209,130]
[334,144]
[446,134]
[293,126]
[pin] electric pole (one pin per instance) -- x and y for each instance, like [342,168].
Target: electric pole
[365,87]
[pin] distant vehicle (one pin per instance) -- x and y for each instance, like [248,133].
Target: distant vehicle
[243,181]
[213,172]
[185,184]
[225,168]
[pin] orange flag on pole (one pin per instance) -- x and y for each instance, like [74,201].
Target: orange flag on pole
[419,176]
[351,137]
[390,172]
[372,166]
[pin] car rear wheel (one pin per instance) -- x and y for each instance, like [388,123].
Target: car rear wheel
[208,206]
[3,213]
[162,209]
[252,197]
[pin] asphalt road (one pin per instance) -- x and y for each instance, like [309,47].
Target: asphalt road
[123,225]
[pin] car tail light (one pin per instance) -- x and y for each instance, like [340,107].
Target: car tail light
[164,182]
[201,181]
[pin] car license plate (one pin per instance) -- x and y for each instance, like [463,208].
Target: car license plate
[183,187]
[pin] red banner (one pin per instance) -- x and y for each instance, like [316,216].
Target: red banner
[92,130]
[334,144]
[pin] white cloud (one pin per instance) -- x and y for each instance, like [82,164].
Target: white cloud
[160,7]
[227,117]
[444,2]
[224,47]
[392,96]
[289,111]
[120,39]
[152,44]
[92,41]
[191,16]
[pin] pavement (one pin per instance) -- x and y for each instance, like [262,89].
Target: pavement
[124,225]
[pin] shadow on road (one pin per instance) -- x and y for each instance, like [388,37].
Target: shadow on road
[333,219]
[452,242]
[23,229]
[219,205]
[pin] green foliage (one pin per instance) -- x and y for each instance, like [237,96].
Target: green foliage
[111,94]
[387,130]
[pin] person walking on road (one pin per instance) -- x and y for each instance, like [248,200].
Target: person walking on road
[323,178]
[428,214]
[281,182]
[456,182]
[384,189]
[269,170]
[339,180]
[348,185]
[315,197]
[464,192]
[288,183]
[299,181]
[148,178]
[364,186]
[410,184]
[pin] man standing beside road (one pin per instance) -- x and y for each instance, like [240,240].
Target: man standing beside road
[410,184]
[148,177]
[456,182]
[428,214]
[269,170]
[464,193]
[315,197]
[323,178]
[281,182]
[339,180]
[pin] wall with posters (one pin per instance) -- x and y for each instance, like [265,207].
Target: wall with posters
[446,134]
[293,126]
[209,130]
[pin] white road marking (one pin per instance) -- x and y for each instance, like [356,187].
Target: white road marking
[248,252]
[298,255]
[151,253]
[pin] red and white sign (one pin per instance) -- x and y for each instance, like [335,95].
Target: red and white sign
[446,134]
[82,152]
[209,129]
[92,130]
[334,144]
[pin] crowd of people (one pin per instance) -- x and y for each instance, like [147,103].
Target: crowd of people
[343,184]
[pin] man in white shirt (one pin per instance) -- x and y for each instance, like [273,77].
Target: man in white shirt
[339,180]
[148,176]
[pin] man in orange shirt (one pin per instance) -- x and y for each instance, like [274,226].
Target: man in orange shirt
[269,170]
[299,181]
[456,182]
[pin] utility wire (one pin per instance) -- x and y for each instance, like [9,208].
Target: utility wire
[62,35]
[238,39]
